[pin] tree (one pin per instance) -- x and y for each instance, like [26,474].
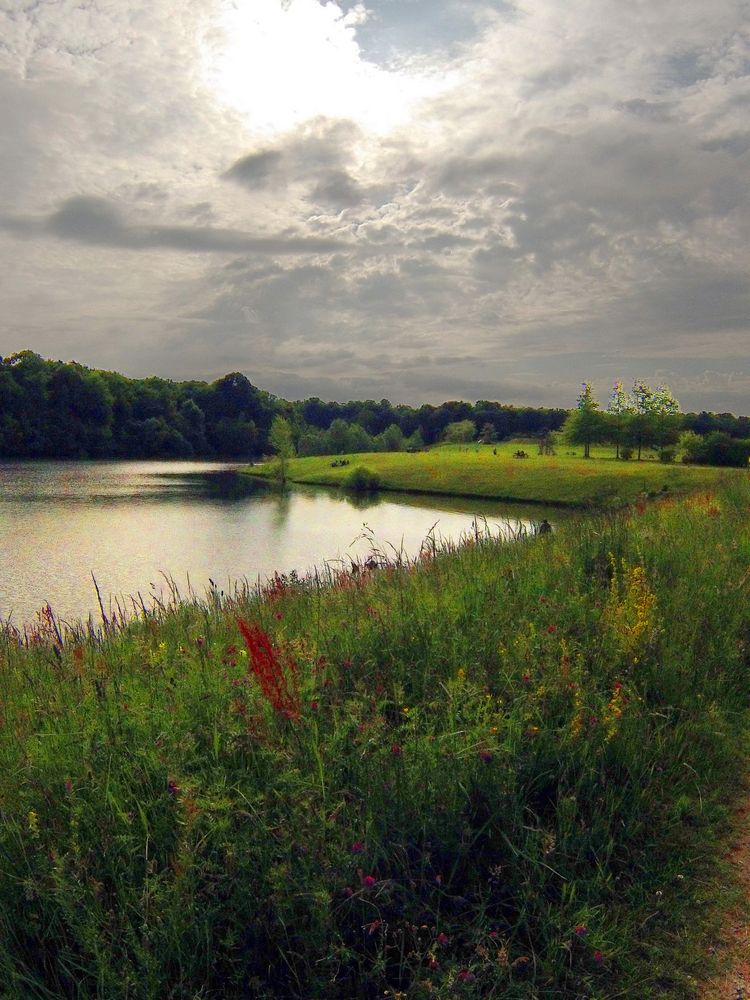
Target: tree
[586,425]
[655,419]
[620,410]
[459,432]
[665,411]
[281,440]
[392,438]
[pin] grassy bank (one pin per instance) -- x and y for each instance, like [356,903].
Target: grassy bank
[484,471]
[495,774]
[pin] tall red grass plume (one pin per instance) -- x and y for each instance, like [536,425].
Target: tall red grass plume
[276,673]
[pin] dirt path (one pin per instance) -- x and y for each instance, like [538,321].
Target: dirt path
[734,946]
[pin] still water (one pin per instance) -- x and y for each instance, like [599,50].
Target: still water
[129,523]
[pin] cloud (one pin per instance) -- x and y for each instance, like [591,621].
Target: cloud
[96,222]
[570,200]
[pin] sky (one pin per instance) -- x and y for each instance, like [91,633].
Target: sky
[413,199]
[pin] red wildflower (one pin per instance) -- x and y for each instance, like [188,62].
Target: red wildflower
[551,629]
[485,756]
[277,677]
[368,881]
[466,976]
[580,930]
[526,678]
[442,939]
[373,926]
[598,956]
[357,847]
[278,616]
[397,749]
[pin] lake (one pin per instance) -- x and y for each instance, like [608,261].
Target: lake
[129,523]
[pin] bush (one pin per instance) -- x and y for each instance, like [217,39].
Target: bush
[667,455]
[626,453]
[361,479]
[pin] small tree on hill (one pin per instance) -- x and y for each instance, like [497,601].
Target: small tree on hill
[460,432]
[586,425]
[655,421]
[619,412]
[280,439]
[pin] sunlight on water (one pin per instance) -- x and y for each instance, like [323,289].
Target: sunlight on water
[129,523]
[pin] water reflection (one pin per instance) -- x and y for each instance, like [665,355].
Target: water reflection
[128,523]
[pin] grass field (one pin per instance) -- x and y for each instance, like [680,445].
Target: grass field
[498,773]
[476,470]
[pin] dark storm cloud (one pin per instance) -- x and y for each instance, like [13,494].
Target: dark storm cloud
[96,222]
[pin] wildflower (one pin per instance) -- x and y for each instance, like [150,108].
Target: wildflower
[466,976]
[277,677]
[172,787]
[598,957]
[526,679]
[485,756]
[200,641]
[461,674]
[433,964]
[373,926]
[580,930]
[551,629]
[33,821]
[442,939]
[405,710]
[357,847]
[347,664]
[278,616]
[397,749]
[348,892]
[314,706]
[68,785]
[368,881]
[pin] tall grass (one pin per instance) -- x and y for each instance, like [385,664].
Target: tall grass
[495,771]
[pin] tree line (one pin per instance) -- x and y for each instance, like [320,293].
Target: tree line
[55,409]
[650,419]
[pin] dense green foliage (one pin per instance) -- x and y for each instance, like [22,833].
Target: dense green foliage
[492,774]
[51,409]
[476,470]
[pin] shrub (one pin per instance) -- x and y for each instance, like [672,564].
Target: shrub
[361,479]
[626,452]
[667,455]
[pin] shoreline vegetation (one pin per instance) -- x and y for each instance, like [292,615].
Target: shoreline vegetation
[487,472]
[499,770]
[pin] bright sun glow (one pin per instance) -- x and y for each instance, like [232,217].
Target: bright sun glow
[282,62]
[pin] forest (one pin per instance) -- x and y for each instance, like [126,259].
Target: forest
[55,409]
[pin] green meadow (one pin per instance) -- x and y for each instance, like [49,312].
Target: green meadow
[500,771]
[493,471]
